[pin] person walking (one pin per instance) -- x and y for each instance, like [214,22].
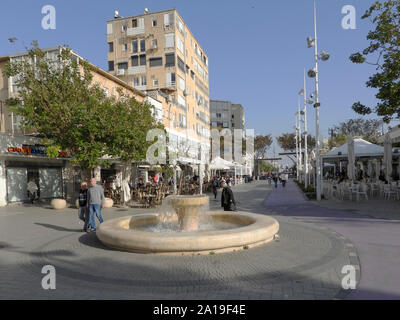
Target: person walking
[275,178]
[95,202]
[215,187]
[83,212]
[227,199]
[32,190]
[284,178]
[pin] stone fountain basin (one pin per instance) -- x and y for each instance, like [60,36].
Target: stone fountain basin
[252,230]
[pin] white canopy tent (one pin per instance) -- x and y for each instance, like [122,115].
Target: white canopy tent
[220,164]
[362,148]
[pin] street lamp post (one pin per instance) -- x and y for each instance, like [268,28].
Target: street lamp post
[315,74]
[300,149]
[305,132]
[297,148]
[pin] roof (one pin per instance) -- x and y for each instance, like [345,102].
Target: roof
[94,68]
[362,148]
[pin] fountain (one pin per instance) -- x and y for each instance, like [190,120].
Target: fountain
[184,226]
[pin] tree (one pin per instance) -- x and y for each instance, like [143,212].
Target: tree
[287,141]
[385,47]
[364,128]
[261,145]
[59,101]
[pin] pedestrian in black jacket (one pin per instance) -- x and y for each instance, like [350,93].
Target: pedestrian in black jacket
[227,198]
[83,211]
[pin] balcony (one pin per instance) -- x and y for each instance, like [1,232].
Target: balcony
[137,70]
[131,32]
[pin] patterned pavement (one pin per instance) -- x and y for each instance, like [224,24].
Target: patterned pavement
[305,263]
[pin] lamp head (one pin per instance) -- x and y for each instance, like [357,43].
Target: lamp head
[312,73]
[310,42]
[324,56]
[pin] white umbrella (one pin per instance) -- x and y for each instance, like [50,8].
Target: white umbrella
[370,170]
[351,158]
[387,157]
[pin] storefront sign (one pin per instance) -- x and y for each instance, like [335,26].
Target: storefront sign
[33,151]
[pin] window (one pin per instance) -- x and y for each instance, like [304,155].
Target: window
[124,28]
[135,81]
[123,65]
[144,81]
[192,74]
[110,65]
[154,23]
[170,59]
[134,23]
[181,84]
[142,60]
[155,62]
[111,47]
[170,79]
[170,40]
[134,46]
[154,44]
[179,44]
[219,116]
[142,45]
[135,61]
[125,47]
[155,82]
[181,65]
[109,28]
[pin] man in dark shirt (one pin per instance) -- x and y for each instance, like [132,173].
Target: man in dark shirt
[83,211]
[227,199]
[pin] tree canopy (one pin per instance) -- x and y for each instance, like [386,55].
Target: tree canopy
[261,145]
[59,100]
[384,46]
[287,141]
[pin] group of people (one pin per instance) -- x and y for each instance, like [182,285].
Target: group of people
[283,178]
[91,201]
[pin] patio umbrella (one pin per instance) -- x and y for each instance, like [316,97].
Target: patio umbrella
[387,157]
[370,170]
[351,158]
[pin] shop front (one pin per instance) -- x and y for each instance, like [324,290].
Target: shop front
[23,159]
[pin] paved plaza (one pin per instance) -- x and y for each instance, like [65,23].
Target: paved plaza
[304,263]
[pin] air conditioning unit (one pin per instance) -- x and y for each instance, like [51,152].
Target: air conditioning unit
[121,72]
[186,92]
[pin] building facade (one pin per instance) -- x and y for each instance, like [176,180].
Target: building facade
[23,157]
[158,54]
[226,115]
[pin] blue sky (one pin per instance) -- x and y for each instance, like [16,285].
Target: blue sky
[257,49]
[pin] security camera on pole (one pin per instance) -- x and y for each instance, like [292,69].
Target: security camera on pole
[313,73]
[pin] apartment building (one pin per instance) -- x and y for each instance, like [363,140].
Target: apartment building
[226,115]
[157,53]
[23,157]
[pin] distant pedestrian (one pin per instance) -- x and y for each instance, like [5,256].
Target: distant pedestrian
[95,202]
[32,190]
[227,199]
[83,211]
[284,178]
[215,187]
[275,178]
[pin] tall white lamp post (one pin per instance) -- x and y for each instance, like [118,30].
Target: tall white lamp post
[315,74]
[304,113]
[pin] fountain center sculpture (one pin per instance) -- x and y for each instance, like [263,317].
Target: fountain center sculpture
[190,232]
[188,210]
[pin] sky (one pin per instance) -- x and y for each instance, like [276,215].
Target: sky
[257,50]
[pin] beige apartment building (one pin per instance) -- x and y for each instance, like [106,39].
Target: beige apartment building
[157,53]
[23,157]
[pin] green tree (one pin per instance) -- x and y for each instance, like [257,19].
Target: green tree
[60,101]
[261,145]
[384,46]
[365,128]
